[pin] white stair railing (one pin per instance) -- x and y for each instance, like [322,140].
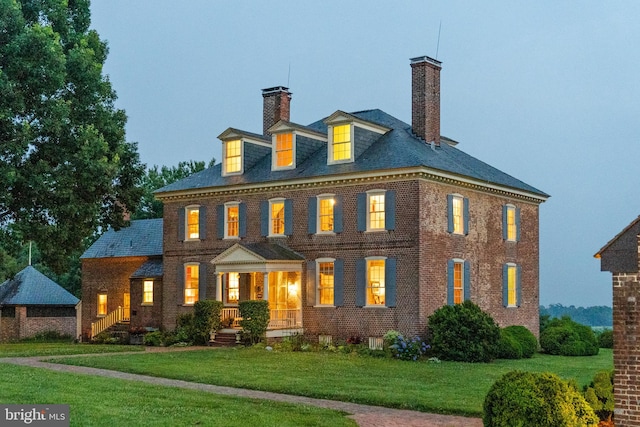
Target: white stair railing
[110,319]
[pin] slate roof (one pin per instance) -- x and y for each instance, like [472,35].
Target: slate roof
[142,237]
[150,269]
[398,148]
[273,252]
[30,287]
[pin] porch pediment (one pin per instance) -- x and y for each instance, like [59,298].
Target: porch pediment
[257,257]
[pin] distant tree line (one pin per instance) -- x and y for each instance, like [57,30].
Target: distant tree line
[600,315]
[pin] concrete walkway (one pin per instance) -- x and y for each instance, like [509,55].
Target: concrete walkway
[364,415]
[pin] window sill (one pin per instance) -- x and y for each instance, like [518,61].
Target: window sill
[146,304]
[326,233]
[376,230]
[231,238]
[101,315]
[187,305]
[277,235]
[324,306]
[375,306]
[192,240]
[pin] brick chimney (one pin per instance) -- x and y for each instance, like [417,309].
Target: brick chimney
[275,106]
[425,98]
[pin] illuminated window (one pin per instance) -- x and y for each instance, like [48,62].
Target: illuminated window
[232,222]
[511,285]
[325,282]
[232,156]
[341,143]
[284,150]
[511,223]
[102,304]
[191,283]
[277,217]
[375,282]
[458,283]
[325,213]
[193,223]
[457,215]
[233,288]
[376,211]
[147,292]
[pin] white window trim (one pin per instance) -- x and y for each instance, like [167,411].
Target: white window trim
[274,162]
[186,223]
[106,300]
[330,160]
[366,285]
[271,202]
[458,261]
[460,197]
[318,261]
[226,221]
[320,197]
[375,192]
[225,294]
[184,284]
[152,292]
[515,225]
[224,158]
[511,265]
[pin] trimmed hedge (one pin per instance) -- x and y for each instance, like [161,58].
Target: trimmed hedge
[525,338]
[463,333]
[568,338]
[206,318]
[605,339]
[508,347]
[599,394]
[255,319]
[536,399]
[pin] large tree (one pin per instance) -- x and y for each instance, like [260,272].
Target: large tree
[65,166]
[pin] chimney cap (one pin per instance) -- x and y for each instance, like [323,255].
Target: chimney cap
[275,89]
[425,58]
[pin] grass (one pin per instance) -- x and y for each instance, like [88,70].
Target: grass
[111,402]
[27,349]
[446,387]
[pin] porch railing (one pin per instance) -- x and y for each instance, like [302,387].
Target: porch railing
[279,318]
[110,319]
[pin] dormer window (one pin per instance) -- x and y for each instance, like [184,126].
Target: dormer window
[283,153]
[341,144]
[232,157]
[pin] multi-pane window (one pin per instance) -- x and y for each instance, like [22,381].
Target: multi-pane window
[375,282]
[511,223]
[277,217]
[193,223]
[325,213]
[191,283]
[376,211]
[341,143]
[147,292]
[326,283]
[458,227]
[233,156]
[102,304]
[232,220]
[511,285]
[233,288]
[284,150]
[458,283]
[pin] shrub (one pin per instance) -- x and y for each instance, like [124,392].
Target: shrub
[605,339]
[206,318]
[404,349]
[50,336]
[535,399]
[464,333]
[568,338]
[255,319]
[508,347]
[525,338]
[154,338]
[599,394]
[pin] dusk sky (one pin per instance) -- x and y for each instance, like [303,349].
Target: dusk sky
[546,91]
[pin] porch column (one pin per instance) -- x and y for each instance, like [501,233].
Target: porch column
[219,287]
[265,285]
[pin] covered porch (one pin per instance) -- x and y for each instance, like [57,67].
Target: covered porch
[261,271]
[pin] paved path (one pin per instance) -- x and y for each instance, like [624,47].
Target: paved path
[364,415]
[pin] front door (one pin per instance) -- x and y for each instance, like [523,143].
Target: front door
[127,306]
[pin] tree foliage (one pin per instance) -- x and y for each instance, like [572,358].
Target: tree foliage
[65,166]
[600,315]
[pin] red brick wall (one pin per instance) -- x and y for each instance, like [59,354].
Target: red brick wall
[146,315]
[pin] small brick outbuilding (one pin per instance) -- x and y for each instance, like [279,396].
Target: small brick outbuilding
[32,303]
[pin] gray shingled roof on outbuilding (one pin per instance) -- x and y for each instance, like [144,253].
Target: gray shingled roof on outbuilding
[396,149]
[142,237]
[30,287]
[150,269]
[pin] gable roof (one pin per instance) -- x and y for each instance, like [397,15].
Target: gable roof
[396,149]
[142,237]
[30,287]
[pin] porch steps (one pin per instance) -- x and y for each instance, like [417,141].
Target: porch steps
[119,330]
[224,339]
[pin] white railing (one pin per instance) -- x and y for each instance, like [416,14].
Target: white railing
[288,318]
[110,319]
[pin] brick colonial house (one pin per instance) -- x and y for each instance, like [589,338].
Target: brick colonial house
[351,226]
[620,257]
[31,303]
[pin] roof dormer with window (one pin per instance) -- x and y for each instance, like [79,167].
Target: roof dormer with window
[241,150]
[349,136]
[291,144]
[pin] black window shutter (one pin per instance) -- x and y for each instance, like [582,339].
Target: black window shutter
[517,224]
[518,286]
[242,220]
[202,282]
[181,224]
[450,265]
[505,222]
[390,210]
[338,283]
[465,204]
[505,285]
[180,286]
[361,282]
[337,214]
[264,218]
[220,221]
[288,217]
[312,205]
[467,280]
[390,282]
[202,222]
[362,211]
[450,214]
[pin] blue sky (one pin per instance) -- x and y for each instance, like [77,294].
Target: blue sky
[546,91]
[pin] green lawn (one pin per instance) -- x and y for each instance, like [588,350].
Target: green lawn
[447,387]
[97,401]
[25,349]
